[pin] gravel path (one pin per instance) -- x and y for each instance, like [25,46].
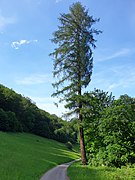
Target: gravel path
[57,173]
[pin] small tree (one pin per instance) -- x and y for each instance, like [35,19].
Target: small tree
[73,60]
[94,104]
[117,130]
[109,129]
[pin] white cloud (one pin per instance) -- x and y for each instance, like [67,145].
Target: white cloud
[120,53]
[125,75]
[57,1]
[17,44]
[123,83]
[35,79]
[114,86]
[116,79]
[4,21]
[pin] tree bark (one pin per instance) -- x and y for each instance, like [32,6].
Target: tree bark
[81,131]
[82,147]
[82,143]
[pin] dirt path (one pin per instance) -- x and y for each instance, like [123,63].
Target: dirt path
[57,173]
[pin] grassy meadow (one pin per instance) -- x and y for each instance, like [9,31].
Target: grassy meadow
[79,172]
[26,156]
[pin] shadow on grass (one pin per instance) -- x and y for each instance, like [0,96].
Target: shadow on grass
[79,172]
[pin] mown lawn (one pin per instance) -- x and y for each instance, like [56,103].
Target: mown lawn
[79,172]
[26,156]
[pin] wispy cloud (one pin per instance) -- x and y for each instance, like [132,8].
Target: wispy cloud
[35,79]
[125,77]
[4,21]
[113,86]
[120,53]
[122,83]
[17,44]
[57,1]
[116,79]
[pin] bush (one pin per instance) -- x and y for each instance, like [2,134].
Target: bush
[4,126]
[8,121]
[69,145]
[111,143]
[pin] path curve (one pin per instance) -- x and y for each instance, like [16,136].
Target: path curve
[57,173]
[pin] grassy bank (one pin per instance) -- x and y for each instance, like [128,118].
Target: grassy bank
[79,172]
[26,156]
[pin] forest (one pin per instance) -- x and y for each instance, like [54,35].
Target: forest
[109,124]
[20,114]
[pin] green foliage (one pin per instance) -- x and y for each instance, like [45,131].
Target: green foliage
[69,145]
[3,120]
[73,59]
[69,131]
[27,157]
[109,129]
[117,130]
[8,121]
[79,172]
[18,113]
[94,104]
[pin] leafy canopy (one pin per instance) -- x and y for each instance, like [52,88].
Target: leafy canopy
[109,129]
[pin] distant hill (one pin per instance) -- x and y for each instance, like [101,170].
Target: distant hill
[20,114]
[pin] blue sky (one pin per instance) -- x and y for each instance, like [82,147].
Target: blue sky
[26,28]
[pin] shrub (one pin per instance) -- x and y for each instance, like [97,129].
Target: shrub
[69,145]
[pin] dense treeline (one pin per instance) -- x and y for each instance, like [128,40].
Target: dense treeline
[109,129]
[109,124]
[20,114]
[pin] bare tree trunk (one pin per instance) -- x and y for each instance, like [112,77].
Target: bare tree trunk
[82,143]
[81,131]
[82,147]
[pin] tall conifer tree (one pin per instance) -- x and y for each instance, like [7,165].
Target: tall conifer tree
[73,61]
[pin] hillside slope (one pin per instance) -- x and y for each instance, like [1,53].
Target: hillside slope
[20,114]
[27,156]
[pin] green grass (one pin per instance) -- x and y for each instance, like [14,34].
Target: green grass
[76,148]
[79,172]
[26,156]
